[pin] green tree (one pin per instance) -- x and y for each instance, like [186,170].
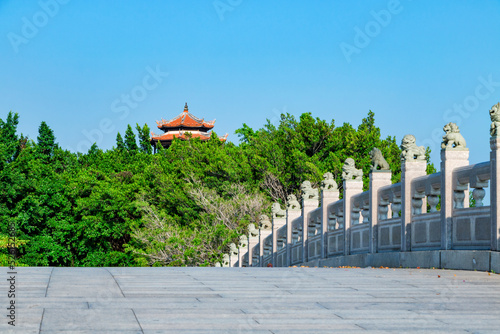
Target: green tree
[130,142]
[144,140]
[9,141]
[120,145]
[46,139]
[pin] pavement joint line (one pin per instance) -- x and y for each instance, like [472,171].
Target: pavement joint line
[360,327]
[41,320]
[140,326]
[322,306]
[48,283]
[114,279]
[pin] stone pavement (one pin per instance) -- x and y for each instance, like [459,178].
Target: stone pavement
[250,300]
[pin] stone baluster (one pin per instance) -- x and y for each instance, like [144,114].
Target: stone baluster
[377,210]
[351,188]
[264,233]
[433,200]
[277,224]
[233,255]
[396,205]
[242,249]
[329,194]
[451,158]
[266,228]
[310,202]
[495,189]
[253,240]
[293,212]
[413,165]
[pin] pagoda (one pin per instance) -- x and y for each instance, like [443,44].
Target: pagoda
[184,126]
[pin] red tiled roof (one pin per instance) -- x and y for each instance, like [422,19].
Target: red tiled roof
[185,119]
[170,136]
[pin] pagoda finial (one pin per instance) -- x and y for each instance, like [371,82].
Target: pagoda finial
[186,107]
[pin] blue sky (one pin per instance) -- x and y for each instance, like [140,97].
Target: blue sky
[89,68]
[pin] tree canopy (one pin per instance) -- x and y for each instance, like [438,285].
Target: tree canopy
[180,206]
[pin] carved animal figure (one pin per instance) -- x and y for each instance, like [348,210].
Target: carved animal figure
[495,120]
[243,241]
[328,182]
[233,250]
[378,160]
[252,231]
[308,192]
[264,222]
[410,149]
[349,171]
[293,204]
[277,211]
[452,138]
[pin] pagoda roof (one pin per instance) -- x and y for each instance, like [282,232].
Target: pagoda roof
[169,136]
[185,119]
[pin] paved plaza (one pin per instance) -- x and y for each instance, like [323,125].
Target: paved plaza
[250,300]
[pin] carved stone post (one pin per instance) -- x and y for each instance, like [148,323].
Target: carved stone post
[495,192]
[450,159]
[291,214]
[353,185]
[253,240]
[242,249]
[233,255]
[308,205]
[378,179]
[351,188]
[413,165]
[265,227]
[277,224]
[328,196]
[410,169]
[310,201]
[263,235]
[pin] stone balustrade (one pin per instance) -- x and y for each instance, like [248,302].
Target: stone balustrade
[424,220]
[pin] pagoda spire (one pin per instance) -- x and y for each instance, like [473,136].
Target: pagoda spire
[186,107]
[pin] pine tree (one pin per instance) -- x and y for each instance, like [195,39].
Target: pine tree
[130,142]
[9,142]
[46,139]
[120,145]
[144,139]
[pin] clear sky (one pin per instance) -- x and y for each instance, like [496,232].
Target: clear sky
[89,68]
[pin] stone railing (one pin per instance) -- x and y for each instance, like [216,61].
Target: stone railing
[424,221]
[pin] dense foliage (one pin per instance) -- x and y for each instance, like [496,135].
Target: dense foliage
[180,206]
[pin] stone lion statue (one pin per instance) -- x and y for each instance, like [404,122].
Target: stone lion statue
[277,211]
[233,250]
[264,222]
[293,204]
[243,241]
[495,120]
[308,192]
[378,160]
[452,138]
[410,149]
[252,231]
[349,171]
[328,182]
